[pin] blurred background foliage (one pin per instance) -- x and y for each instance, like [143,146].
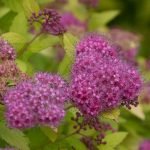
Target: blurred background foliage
[134,16]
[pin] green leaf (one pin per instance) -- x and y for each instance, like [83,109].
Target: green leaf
[77,9]
[2,109]
[69,44]
[73,141]
[43,42]
[14,137]
[14,38]
[19,24]
[105,147]
[37,138]
[101,19]
[138,112]
[6,21]
[21,65]
[3,11]
[45,1]
[30,6]
[50,133]
[14,5]
[115,139]
[113,114]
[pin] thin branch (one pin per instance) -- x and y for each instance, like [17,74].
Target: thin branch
[71,134]
[28,43]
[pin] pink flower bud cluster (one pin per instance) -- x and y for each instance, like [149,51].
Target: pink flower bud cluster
[50,21]
[7,52]
[9,72]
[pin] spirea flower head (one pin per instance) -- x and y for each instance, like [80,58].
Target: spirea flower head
[90,3]
[57,86]
[8,68]
[96,43]
[102,83]
[38,101]
[72,23]
[7,52]
[10,75]
[18,107]
[50,21]
[145,145]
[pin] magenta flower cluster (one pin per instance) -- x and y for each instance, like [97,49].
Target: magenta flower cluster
[9,72]
[7,52]
[100,79]
[90,3]
[50,21]
[145,145]
[36,102]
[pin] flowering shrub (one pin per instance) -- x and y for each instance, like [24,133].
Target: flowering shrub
[65,84]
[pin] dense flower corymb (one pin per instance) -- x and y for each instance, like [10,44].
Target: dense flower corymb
[50,21]
[7,52]
[100,83]
[9,75]
[40,101]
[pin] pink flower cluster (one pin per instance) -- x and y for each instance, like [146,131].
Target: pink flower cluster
[9,72]
[7,52]
[36,102]
[100,79]
[50,21]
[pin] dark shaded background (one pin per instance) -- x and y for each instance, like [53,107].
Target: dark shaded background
[134,16]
